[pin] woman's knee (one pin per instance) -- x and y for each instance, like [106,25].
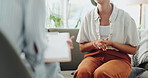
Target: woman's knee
[83,73]
[101,74]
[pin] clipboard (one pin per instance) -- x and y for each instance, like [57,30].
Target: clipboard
[58,49]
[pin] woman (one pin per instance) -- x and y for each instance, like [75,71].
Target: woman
[109,34]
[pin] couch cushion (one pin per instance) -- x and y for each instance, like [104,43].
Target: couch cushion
[144,75]
[67,74]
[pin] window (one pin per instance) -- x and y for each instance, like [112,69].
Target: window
[55,11]
[68,13]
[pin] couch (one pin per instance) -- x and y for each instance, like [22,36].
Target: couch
[69,67]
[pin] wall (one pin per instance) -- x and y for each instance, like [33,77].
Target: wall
[145,17]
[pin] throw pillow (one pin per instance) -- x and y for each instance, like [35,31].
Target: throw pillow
[142,55]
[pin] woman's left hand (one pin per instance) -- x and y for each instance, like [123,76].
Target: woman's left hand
[107,42]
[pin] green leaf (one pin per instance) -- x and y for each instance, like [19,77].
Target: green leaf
[140,26]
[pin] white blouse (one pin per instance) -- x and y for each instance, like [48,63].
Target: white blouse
[104,32]
[122,28]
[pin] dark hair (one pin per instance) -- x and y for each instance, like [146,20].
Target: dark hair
[93,2]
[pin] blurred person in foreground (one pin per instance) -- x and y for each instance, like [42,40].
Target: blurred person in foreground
[23,22]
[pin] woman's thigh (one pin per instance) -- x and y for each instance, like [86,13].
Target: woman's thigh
[118,68]
[89,64]
[87,67]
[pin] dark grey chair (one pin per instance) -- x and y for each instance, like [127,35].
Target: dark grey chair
[11,65]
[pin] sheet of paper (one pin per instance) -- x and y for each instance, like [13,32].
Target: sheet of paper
[58,49]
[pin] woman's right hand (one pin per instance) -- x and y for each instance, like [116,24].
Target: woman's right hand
[99,44]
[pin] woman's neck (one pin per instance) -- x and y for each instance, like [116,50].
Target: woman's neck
[105,9]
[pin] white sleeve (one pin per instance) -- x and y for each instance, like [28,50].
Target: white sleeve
[132,37]
[83,32]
